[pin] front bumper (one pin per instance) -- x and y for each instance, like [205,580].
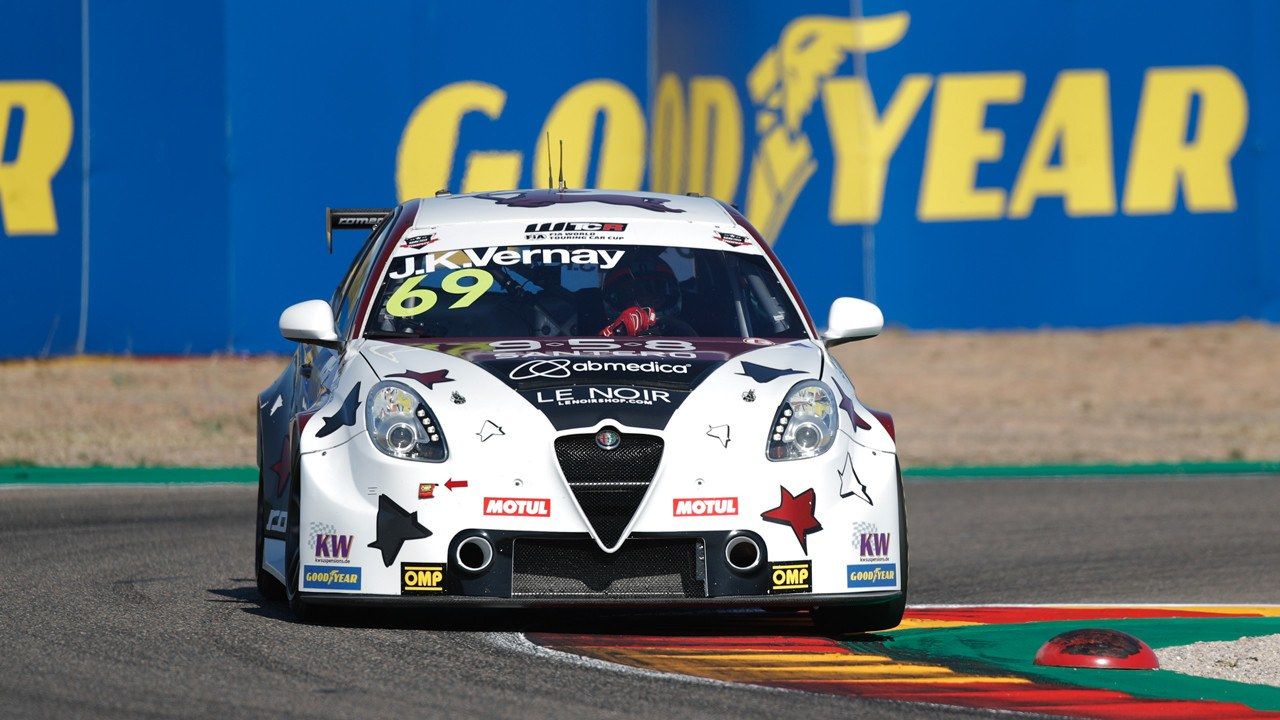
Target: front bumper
[650,570]
[770,602]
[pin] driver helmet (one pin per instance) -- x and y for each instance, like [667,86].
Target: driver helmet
[643,282]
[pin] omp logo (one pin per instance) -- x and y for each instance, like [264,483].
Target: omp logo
[519,507]
[873,575]
[694,507]
[39,149]
[790,577]
[419,577]
[323,578]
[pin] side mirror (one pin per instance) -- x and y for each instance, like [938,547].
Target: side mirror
[852,319]
[310,322]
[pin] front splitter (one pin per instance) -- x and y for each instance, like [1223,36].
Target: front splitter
[798,601]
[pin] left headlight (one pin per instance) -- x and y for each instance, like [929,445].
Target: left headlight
[401,425]
[805,425]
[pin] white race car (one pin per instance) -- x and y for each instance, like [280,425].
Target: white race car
[575,398]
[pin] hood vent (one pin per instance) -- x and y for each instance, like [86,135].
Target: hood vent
[609,485]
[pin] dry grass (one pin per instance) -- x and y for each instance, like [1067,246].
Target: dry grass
[1206,392]
[129,411]
[1145,394]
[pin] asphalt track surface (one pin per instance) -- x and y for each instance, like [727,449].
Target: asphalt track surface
[138,602]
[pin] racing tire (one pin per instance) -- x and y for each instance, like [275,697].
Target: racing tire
[268,586]
[302,610]
[854,619]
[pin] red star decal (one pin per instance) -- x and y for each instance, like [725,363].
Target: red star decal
[283,467]
[796,511]
[426,378]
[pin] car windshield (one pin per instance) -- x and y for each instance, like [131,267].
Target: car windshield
[538,290]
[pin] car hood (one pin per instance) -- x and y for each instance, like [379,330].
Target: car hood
[580,382]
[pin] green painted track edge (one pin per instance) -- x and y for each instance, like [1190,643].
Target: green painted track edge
[40,475]
[28,475]
[1233,467]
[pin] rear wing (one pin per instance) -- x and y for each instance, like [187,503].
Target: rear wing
[352,219]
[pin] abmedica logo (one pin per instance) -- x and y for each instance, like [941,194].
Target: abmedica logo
[518,507]
[700,507]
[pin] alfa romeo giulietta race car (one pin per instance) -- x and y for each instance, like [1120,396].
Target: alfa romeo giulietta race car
[575,398]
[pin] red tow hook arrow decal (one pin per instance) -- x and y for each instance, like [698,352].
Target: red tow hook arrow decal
[451,484]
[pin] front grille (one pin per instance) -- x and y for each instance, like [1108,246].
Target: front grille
[641,568]
[609,484]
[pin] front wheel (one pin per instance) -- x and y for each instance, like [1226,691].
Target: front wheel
[292,547]
[268,586]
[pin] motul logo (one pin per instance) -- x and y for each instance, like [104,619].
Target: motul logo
[520,507]
[683,507]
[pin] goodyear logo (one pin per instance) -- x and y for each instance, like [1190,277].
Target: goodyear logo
[790,577]
[873,575]
[315,577]
[421,578]
[1190,123]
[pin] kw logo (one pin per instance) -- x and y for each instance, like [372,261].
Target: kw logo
[873,545]
[335,548]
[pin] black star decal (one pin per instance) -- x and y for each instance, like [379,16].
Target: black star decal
[426,378]
[846,404]
[346,415]
[763,374]
[395,525]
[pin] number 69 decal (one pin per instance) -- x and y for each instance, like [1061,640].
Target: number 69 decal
[398,304]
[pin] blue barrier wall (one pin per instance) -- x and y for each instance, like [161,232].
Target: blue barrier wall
[966,165]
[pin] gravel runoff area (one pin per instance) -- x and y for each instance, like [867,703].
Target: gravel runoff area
[1143,394]
[1248,660]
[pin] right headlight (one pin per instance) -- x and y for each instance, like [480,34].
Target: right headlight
[401,425]
[805,425]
